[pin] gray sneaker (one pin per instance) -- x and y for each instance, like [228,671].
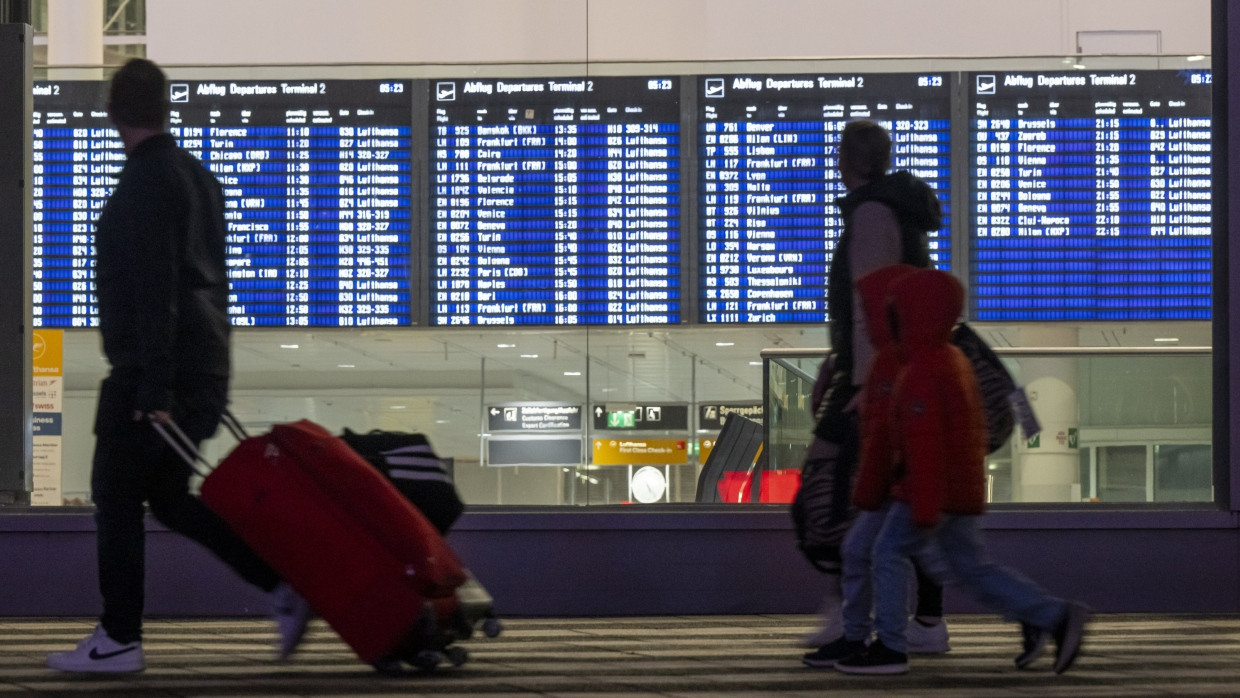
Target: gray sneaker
[292,614]
[1069,634]
[927,639]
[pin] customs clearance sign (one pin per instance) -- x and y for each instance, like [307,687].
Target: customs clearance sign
[49,389]
[533,416]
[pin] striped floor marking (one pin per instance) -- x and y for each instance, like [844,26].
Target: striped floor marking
[693,656]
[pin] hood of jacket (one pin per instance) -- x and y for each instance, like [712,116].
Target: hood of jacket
[874,289]
[913,201]
[925,305]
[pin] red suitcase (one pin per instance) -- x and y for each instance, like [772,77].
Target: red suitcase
[364,558]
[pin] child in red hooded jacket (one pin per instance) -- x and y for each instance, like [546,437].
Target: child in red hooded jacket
[922,473]
[874,478]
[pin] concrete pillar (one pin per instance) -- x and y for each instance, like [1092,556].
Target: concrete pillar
[1049,469]
[75,37]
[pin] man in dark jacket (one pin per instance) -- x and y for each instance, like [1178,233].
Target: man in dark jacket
[887,217]
[162,287]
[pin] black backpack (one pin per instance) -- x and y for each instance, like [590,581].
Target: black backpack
[998,388]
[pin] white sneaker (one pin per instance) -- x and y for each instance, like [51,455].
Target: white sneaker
[821,637]
[927,639]
[100,654]
[292,615]
[832,628]
[832,618]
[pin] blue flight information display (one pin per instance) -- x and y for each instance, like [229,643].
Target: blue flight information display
[769,180]
[1089,195]
[555,201]
[317,183]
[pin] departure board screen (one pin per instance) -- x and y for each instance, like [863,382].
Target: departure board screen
[1089,195]
[555,201]
[769,181]
[317,182]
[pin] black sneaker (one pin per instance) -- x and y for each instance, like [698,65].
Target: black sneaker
[1068,635]
[875,659]
[826,656]
[1033,644]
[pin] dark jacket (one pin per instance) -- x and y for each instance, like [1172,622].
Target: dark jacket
[938,428]
[916,208]
[160,275]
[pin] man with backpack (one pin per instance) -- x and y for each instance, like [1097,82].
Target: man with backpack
[887,218]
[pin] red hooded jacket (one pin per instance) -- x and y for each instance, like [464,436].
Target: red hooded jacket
[938,427]
[876,471]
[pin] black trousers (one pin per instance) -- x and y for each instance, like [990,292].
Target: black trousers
[929,594]
[132,465]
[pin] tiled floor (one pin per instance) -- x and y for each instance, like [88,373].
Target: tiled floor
[737,656]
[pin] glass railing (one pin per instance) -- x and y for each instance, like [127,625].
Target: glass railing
[1119,424]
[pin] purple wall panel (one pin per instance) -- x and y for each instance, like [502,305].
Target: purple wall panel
[605,562]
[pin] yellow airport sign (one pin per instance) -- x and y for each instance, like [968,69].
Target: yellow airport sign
[641,452]
[48,352]
[705,446]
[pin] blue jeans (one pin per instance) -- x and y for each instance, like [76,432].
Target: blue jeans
[856,575]
[953,552]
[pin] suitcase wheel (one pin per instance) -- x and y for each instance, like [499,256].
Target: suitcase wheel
[492,627]
[456,655]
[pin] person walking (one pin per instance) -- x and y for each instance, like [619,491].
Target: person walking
[923,486]
[162,290]
[887,218]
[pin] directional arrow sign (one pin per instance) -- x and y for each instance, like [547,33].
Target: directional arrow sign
[533,416]
[647,417]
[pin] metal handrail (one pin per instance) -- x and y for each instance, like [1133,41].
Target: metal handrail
[782,356]
[795,370]
[1017,352]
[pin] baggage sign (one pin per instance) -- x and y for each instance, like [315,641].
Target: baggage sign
[714,416]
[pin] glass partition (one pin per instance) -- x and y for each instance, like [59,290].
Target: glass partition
[1118,425]
[628,409]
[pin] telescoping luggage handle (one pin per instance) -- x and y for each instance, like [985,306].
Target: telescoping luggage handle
[185,448]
